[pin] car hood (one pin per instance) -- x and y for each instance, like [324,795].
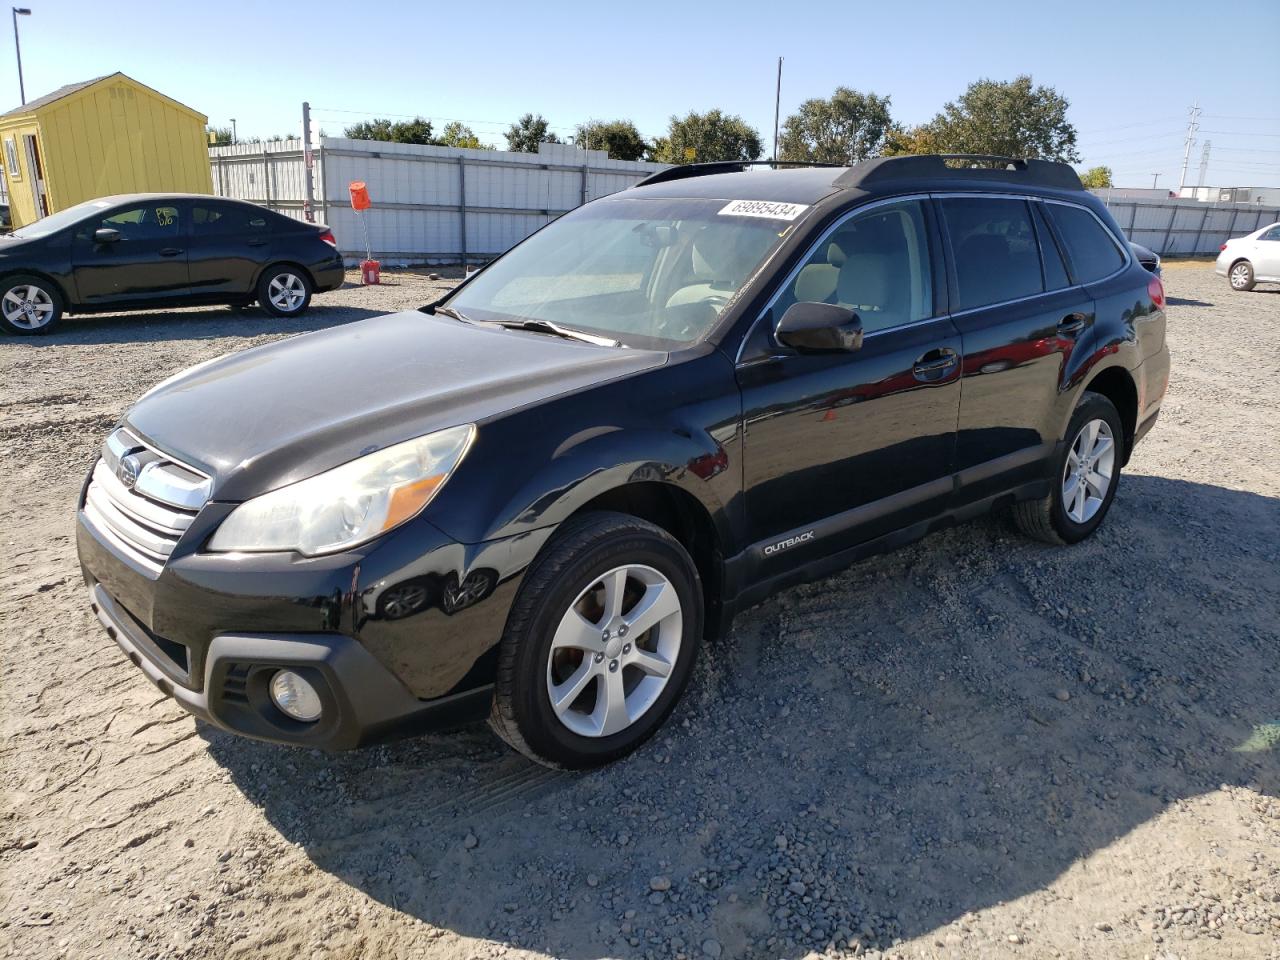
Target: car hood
[279,413]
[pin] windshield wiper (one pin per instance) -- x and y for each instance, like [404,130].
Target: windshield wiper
[546,326]
[450,312]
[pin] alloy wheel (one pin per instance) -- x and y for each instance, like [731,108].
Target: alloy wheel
[27,307]
[1239,276]
[1089,471]
[614,650]
[286,292]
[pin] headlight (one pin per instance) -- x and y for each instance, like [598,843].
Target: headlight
[350,504]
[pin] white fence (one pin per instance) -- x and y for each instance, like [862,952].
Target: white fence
[1185,228]
[430,204]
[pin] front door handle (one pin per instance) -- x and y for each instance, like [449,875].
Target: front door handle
[170,251]
[935,364]
[1072,324]
[257,243]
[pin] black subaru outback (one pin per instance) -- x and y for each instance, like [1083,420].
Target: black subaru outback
[532,500]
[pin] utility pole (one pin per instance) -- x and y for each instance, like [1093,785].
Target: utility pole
[1193,124]
[234,139]
[777,104]
[1204,166]
[17,47]
[309,199]
[1154,178]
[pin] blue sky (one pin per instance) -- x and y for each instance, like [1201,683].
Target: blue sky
[1130,70]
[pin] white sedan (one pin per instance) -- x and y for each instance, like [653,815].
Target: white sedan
[1245,261]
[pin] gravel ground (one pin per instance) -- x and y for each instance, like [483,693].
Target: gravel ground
[975,747]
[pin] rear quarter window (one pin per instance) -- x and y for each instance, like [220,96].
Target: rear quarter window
[1091,247]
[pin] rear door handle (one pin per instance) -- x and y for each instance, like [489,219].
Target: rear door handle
[257,243]
[934,364]
[1072,324]
[170,251]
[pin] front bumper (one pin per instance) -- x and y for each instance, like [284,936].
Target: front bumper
[362,701]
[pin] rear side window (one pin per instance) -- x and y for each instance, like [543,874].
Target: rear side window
[997,256]
[217,219]
[1090,246]
[1055,271]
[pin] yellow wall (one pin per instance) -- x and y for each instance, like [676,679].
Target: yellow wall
[116,136]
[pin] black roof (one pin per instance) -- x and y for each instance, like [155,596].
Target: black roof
[809,184]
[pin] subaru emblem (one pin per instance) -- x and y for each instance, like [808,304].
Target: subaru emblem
[128,470]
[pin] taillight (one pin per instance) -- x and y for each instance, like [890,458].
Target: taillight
[1155,290]
[1221,248]
[330,239]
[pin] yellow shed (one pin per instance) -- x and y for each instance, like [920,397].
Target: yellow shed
[100,137]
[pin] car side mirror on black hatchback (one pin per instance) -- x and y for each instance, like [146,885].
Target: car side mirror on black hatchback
[106,235]
[820,328]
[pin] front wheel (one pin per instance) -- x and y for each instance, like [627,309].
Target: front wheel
[1241,276]
[1085,476]
[284,291]
[29,305]
[600,642]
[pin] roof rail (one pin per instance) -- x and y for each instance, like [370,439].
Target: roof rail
[685,170]
[961,166]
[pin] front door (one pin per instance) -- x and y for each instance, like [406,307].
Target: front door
[841,448]
[146,261]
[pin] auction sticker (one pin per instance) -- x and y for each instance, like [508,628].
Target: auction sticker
[768,209]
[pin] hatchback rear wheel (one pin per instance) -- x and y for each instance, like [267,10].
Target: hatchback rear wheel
[600,642]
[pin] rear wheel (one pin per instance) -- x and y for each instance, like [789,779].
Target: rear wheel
[29,305]
[1085,476]
[600,642]
[1241,276]
[284,291]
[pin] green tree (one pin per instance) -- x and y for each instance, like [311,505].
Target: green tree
[416,130]
[218,136]
[619,137]
[1096,177]
[849,127]
[706,137]
[1012,119]
[526,133]
[457,134]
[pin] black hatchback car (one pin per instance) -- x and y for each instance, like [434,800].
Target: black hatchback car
[532,500]
[161,250]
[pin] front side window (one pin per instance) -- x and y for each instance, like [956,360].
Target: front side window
[997,257]
[877,264]
[649,273]
[227,219]
[1090,246]
[158,221]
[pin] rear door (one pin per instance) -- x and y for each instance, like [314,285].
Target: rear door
[148,260]
[1020,317]
[229,244]
[840,448]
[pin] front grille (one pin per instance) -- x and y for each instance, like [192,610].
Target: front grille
[147,517]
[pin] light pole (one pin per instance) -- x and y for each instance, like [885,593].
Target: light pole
[233,131]
[19,12]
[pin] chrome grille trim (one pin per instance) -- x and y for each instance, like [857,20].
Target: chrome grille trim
[147,521]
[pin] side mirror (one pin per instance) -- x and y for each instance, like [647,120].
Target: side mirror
[106,235]
[820,328]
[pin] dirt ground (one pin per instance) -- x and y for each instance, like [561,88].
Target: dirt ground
[979,746]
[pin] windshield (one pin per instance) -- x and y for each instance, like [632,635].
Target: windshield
[649,273]
[62,219]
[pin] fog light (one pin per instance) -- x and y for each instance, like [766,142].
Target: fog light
[293,695]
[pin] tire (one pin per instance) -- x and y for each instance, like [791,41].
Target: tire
[1241,276]
[29,306]
[284,290]
[1064,516]
[564,596]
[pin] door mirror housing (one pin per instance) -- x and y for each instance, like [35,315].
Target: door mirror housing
[106,235]
[820,328]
